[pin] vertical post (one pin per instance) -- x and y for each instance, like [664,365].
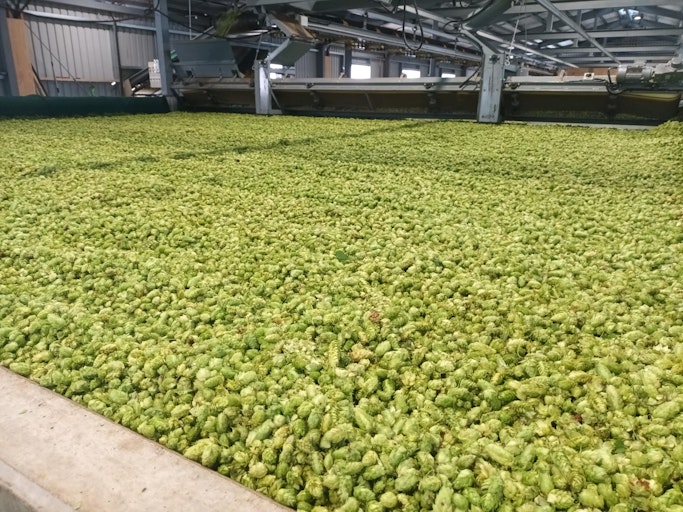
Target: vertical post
[579,19]
[163,50]
[550,19]
[386,72]
[116,58]
[348,60]
[264,102]
[320,61]
[432,67]
[7,56]
[491,90]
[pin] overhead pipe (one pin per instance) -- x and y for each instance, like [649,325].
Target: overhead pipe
[561,15]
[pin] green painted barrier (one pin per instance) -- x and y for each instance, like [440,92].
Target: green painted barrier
[40,106]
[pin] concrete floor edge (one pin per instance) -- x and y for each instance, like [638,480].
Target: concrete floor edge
[20,494]
[58,456]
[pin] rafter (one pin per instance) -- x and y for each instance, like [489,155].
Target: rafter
[570,34]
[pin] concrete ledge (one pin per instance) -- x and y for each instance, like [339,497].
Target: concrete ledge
[56,456]
[19,494]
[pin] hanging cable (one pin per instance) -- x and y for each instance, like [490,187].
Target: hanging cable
[469,78]
[456,23]
[258,49]
[385,8]
[412,48]
[512,40]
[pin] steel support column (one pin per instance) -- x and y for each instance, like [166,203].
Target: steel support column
[348,60]
[320,60]
[116,58]
[264,101]
[386,66]
[7,58]
[163,50]
[432,67]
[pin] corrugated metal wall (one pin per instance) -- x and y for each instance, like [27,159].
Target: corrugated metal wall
[70,50]
[66,88]
[337,64]
[377,67]
[135,47]
[306,66]
[74,51]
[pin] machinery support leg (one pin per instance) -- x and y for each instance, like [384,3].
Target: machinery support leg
[432,68]
[386,68]
[320,61]
[264,101]
[163,51]
[491,92]
[348,60]
[116,58]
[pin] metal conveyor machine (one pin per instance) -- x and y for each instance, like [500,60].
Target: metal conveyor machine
[213,74]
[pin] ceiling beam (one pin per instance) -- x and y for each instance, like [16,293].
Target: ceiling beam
[487,35]
[645,32]
[524,48]
[577,27]
[312,5]
[532,7]
[569,51]
[664,13]
[95,5]
[99,21]
[605,61]
[551,24]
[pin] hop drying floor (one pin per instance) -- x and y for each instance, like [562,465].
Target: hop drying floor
[361,314]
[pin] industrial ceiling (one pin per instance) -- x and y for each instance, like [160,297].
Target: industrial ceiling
[574,33]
